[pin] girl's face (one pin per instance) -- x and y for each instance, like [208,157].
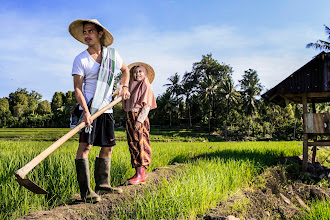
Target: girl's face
[139,74]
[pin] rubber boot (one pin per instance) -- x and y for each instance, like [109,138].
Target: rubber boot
[83,176]
[102,176]
[140,177]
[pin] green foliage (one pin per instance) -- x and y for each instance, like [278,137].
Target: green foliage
[320,210]
[44,108]
[321,44]
[4,112]
[205,99]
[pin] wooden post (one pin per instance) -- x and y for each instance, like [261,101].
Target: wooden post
[305,143]
[315,137]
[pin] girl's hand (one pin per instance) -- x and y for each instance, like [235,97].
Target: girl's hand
[138,126]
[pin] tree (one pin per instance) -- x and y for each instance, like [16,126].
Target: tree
[20,96]
[167,104]
[207,75]
[209,87]
[4,111]
[228,92]
[57,101]
[187,91]
[321,44]
[174,86]
[44,108]
[33,101]
[251,88]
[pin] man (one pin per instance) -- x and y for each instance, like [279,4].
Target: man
[93,72]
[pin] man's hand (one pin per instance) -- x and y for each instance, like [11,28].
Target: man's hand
[87,118]
[124,81]
[137,126]
[125,93]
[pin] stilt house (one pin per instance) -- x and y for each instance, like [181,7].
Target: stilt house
[309,84]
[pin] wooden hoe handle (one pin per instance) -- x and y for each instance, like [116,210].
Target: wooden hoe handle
[35,161]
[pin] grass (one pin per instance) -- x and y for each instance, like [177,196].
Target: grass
[213,171]
[320,210]
[53,134]
[207,179]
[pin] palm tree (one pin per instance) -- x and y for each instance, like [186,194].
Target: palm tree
[251,88]
[320,44]
[228,92]
[168,104]
[209,87]
[187,90]
[175,91]
[174,86]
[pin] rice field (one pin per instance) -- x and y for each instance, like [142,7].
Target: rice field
[214,170]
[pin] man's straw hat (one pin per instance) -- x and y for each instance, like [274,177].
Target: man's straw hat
[150,70]
[76,30]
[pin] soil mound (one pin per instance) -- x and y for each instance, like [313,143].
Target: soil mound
[278,193]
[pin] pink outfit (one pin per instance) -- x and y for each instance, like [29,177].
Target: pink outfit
[141,96]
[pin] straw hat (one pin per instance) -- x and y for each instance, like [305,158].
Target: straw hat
[150,70]
[76,30]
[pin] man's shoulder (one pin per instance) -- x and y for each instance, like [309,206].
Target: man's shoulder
[82,55]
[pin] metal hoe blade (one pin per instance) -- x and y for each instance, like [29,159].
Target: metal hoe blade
[30,185]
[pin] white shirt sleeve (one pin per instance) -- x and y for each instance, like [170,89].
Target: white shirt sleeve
[144,113]
[119,61]
[77,67]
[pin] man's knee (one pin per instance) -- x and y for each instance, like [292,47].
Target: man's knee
[106,149]
[85,146]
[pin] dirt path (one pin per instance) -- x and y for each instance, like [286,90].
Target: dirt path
[105,208]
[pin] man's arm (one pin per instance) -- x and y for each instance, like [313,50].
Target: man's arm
[77,83]
[124,81]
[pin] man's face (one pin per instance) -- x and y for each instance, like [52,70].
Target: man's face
[91,35]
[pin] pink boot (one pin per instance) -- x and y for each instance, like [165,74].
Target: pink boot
[139,177]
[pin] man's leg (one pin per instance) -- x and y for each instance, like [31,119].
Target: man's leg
[83,150]
[102,172]
[105,152]
[83,175]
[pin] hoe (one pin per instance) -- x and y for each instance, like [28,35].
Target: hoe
[21,173]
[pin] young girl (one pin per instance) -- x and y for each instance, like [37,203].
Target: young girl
[141,101]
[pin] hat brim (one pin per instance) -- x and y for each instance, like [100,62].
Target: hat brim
[76,30]
[150,70]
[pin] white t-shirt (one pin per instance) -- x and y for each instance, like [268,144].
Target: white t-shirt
[85,66]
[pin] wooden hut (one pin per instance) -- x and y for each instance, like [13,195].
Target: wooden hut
[309,84]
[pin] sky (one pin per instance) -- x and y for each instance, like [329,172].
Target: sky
[37,51]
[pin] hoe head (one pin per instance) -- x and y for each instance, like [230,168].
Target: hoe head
[30,185]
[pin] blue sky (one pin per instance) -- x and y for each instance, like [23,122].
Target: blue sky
[37,50]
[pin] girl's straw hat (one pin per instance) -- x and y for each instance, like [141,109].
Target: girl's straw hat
[76,30]
[150,70]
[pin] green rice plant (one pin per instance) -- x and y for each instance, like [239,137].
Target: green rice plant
[211,174]
[57,174]
[53,134]
[320,210]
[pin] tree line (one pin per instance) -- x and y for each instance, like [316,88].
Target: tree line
[206,99]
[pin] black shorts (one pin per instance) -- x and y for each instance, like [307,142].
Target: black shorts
[103,132]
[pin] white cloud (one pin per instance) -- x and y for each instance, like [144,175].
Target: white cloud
[40,56]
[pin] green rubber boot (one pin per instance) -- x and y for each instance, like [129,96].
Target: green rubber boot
[83,176]
[102,176]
